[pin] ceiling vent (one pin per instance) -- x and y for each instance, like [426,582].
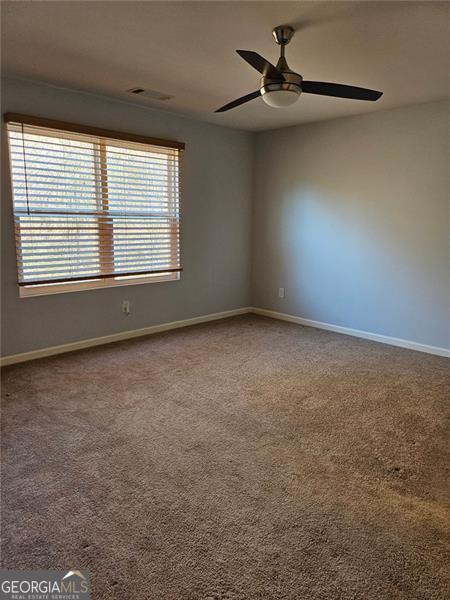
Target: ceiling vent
[150,94]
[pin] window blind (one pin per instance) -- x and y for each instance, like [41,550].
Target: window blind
[88,206]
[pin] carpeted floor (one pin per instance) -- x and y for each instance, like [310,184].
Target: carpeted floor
[243,459]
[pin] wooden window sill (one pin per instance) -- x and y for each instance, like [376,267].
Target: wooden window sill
[97,284]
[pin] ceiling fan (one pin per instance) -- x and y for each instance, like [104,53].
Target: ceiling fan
[280,87]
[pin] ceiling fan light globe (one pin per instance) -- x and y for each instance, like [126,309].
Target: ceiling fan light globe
[281,98]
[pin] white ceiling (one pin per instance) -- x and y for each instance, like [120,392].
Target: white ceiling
[188,49]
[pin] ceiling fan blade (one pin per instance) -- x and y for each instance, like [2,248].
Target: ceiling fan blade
[262,65]
[239,101]
[338,90]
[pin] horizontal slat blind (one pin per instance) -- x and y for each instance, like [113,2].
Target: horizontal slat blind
[89,207]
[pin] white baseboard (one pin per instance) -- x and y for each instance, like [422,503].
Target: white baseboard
[117,337]
[367,335]
[125,335]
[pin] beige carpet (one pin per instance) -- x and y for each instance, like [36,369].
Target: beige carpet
[244,459]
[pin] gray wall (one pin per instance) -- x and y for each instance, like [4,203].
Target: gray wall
[215,230]
[351,216]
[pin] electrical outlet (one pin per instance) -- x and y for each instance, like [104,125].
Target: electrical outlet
[126,307]
[280,292]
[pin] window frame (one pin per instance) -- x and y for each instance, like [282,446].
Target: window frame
[105,228]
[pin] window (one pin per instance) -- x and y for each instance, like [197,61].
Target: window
[92,207]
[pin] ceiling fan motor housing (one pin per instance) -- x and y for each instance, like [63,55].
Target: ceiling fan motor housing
[271,89]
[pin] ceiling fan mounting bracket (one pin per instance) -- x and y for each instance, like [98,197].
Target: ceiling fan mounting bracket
[283,34]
